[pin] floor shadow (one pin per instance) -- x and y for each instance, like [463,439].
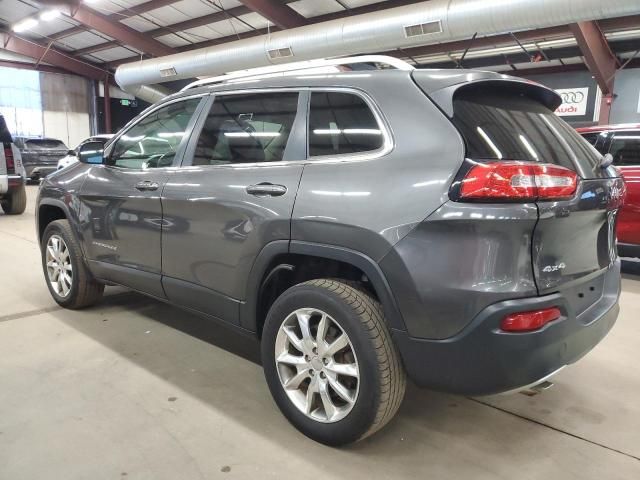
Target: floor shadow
[118,321]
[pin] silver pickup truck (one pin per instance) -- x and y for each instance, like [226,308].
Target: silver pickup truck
[13,197]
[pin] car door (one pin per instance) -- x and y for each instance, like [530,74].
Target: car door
[121,209]
[233,195]
[625,148]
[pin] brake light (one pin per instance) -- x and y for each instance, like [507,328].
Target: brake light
[522,181]
[8,155]
[529,321]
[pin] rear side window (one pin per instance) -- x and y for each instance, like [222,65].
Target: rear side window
[511,126]
[342,123]
[625,148]
[247,129]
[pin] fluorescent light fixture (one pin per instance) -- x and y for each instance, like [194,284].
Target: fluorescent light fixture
[27,24]
[489,142]
[347,131]
[528,146]
[49,15]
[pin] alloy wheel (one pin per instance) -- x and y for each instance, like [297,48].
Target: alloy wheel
[59,267]
[317,365]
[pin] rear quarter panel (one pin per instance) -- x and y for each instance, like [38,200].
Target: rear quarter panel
[369,205]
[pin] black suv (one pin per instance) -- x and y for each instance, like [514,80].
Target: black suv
[364,225]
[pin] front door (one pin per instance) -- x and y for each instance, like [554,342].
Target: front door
[121,209]
[233,195]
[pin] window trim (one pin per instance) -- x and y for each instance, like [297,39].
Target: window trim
[387,146]
[152,109]
[193,141]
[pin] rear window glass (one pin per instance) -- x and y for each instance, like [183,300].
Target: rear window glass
[46,144]
[511,126]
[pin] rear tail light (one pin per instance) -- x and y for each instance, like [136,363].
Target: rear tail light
[529,321]
[518,181]
[8,155]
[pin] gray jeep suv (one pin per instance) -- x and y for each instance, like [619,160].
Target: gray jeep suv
[365,226]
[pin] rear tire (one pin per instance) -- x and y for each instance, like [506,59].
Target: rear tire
[69,281]
[16,202]
[373,381]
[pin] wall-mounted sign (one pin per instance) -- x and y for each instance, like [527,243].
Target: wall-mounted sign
[574,102]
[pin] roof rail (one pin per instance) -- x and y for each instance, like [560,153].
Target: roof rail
[308,66]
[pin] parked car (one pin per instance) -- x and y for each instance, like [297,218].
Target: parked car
[456,231]
[623,143]
[40,155]
[72,155]
[13,197]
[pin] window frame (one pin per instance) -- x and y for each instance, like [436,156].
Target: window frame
[180,151]
[293,143]
[387,142]
[300,137]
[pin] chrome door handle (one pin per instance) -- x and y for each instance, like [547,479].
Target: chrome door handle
[266,189]
[147,186]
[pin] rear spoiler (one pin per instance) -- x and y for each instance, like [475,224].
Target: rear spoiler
[444,88]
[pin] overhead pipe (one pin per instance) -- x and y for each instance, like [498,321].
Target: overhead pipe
[413,25]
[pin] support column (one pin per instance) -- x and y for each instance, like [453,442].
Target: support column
[107,106]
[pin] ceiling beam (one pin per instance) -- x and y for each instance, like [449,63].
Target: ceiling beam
[117,16]
[94,20]
[597,54]
[50,55]
[276,12]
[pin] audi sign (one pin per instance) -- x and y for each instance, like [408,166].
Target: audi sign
[574,102]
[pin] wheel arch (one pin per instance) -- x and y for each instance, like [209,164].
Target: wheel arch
[49,210]
[283,258]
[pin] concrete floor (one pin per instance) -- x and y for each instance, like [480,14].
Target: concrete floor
[135,389]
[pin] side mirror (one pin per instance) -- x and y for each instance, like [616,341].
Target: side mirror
[91,153]
[71,153]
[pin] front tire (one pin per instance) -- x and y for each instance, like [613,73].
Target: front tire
[70,283]
[330,363]
[16,202]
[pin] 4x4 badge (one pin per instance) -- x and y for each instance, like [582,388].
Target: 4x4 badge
[554,268]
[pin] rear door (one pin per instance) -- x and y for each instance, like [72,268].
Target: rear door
[625,148]
[573,239]
[233,195]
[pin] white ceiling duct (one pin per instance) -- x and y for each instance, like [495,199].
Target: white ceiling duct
[422,23]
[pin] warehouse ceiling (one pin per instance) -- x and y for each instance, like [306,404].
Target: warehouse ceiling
[93,37]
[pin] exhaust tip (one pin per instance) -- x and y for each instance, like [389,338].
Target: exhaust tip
[537,388]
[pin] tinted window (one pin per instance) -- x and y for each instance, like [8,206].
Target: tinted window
[154,140]
[342,123]
[511,126]
[625,148]
[247,129]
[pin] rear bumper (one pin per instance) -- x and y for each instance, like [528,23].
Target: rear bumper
[10,183]
[629,250]
[483,360]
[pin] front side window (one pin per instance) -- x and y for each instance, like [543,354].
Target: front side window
[342,123]
[154,141]
[247,128]
[625,148]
